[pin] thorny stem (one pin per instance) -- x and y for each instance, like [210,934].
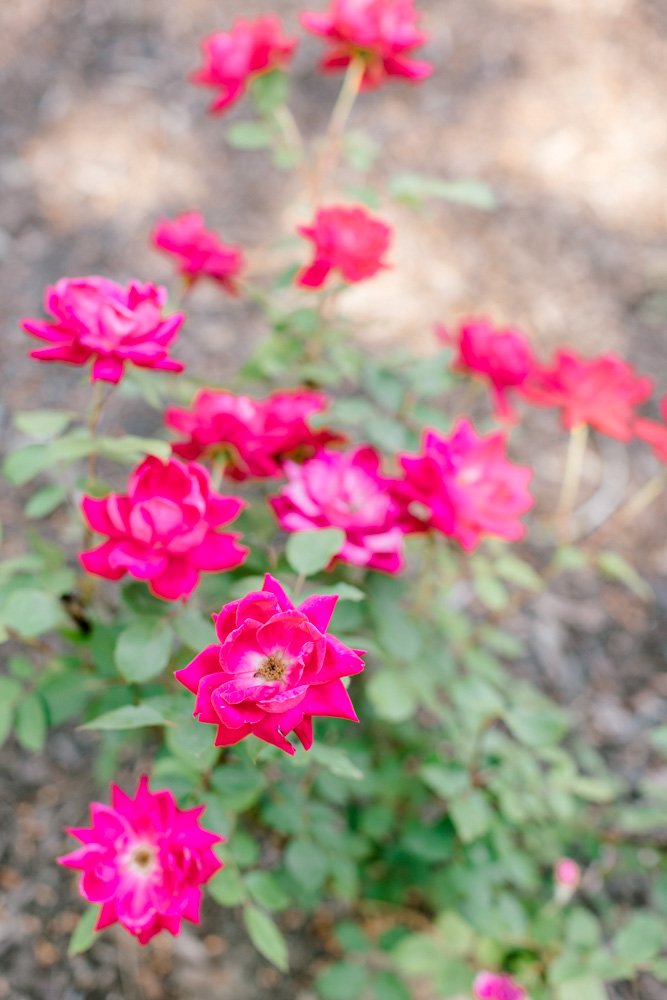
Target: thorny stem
[574,464]
[339,116]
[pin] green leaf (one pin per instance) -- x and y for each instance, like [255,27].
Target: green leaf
[643,937]
[537,725]
[582,988]
[306,863]
[659,739]
[45,501]
[239,788]
[269,91]
[44,423]
[614,566]
[414,188]
[10,692]
[192,743]
[129,448]
[23,464]
[343,981]
[491,592]
[445,780]
[308,552]
[127,717]
[248,135]
[267,891]
[519,572]
[30,726]
[193,628]
[391,696]
[31,612]
[471,815]
[387,986]
[335,760]
[227,888]
[360,150]
[84,933]
[143,649]
[266,937]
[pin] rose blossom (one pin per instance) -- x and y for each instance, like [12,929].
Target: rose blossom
[601,392]
[503,357]
[163,530]
[114,325]
[654,433]
[382,33]
[464,486]
[255,436]
[347,239]
[567,872]
[144,860]
[347,491]
[492,986]
[274,668]
[232,59]
[199,252]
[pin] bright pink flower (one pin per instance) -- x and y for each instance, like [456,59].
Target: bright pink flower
[503,357]
[347,491]
[347,239]
[144,860]
[199,251]
[654,433]
[96,318]
[567,872]
[233,58]
[254,436]
[464,487]
[275,668]
[163,530]
[492,986]
[602,392]
[381,32]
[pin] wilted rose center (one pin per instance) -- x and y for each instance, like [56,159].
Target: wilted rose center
[273,668]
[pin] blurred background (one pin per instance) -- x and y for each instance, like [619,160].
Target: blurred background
[558,105]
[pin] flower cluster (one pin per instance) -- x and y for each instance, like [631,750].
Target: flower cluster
[274,668]
[100,320]
[199,252]
[144,860]
[253,437]
[164,529]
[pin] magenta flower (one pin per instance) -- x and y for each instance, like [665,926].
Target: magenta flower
[654,433]
[144,860]
[274,669]
[347,239]
[347,491]
[464,487]
[502,357]
[163,530]
[381,32]
[253,436]
[602,392]
[233,58]
[199,252]
[567,872]
[96,318]
[493,986]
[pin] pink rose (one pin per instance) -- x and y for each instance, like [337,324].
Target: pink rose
[255,436]
[144,860]
[567,872]
[464,487]
[96,318]
[601,392]
[275,668]
[233,58]
[503,357]
[347,239]
[199,252]
[381,32]
[492,986]
[347,491]
[163,530]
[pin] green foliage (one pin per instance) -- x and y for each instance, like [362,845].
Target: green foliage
[266,937]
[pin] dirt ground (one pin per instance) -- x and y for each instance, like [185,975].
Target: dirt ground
[560,106]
